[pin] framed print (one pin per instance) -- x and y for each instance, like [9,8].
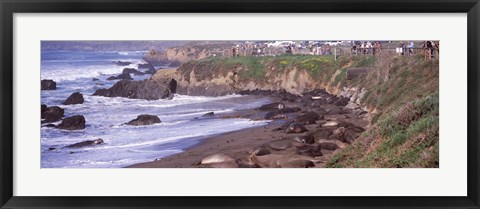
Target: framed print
[266,104]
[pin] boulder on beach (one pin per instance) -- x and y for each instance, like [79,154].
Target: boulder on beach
[147,89]
[120,77]
[86,143]
[122,63]
[272,106]
[47,84]
[142,120]
[75,98]
[51,114]
[132,71]
[76,122]
[95,79]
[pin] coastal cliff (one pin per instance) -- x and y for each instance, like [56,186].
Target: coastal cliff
[176,56]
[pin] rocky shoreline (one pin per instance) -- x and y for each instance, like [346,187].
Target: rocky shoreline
[306,128]
[306,131]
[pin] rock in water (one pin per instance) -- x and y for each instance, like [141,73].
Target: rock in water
[296,127]
[131,71]
[120,77]
[121,63]
[43,109]
[51,114]
[48,85]
[272,106]
[147,89]
[145,66]
[75,98]
[142,120]
[76,122]
[86,143]
[208,114]
[151,71]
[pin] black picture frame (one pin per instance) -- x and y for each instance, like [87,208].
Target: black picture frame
[9,7]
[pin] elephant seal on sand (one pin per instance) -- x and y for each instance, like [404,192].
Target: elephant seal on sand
[275,160]
[261,151]
[298,164]
[296,127]
[227,164]
[282,144]
[272,106]
[218,160]
[307,139]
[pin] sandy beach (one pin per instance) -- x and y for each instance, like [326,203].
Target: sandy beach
[241,144]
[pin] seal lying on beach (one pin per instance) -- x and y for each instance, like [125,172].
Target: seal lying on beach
[218,160]
[282,144]
[306,139]
[296,127]
[298,164]
[279,161]
[272,106]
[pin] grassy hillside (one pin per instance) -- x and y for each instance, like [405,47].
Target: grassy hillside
[401,95]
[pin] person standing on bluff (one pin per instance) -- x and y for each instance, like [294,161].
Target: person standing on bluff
[411,45]
[238,50]
[428,50]
[354,49]
[402,48]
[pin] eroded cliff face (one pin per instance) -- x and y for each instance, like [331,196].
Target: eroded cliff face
[201,80]
[177,56]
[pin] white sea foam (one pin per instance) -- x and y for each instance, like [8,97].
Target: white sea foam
[106,117]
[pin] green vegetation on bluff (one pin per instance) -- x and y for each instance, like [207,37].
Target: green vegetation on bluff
[401,94]
[317,66]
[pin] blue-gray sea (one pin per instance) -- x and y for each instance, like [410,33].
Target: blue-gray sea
[125,145]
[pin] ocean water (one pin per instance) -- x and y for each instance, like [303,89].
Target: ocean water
[105,117]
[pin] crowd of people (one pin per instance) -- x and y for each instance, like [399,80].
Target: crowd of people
[430,48]
[367,47]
